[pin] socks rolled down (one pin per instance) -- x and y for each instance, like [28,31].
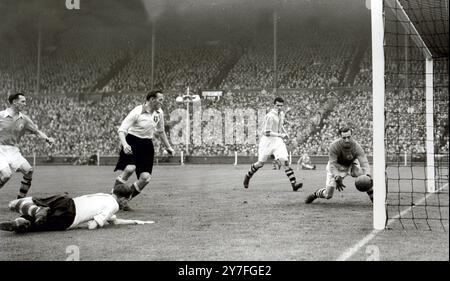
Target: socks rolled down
[320,193]
[25,206]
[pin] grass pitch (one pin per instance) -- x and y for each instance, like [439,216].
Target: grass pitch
[202,212]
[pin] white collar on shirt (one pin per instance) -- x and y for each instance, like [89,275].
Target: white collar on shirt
[274,111]
[145,109]
[8,112]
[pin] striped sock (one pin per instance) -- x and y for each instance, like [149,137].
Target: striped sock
[24,187]
[290,174]
[320,193]
[26,207]
[252,171]
[14,205]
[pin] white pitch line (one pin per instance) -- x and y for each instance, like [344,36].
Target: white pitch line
[355,248]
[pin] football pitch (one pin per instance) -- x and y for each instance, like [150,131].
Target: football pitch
[202,212]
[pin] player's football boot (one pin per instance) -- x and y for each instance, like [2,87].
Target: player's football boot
[246,181]
[311,198]
[41,216]
[297,186]
[17,225]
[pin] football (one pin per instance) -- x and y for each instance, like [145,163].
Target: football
[363,183]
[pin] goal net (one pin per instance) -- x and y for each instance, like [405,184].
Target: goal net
[415,49]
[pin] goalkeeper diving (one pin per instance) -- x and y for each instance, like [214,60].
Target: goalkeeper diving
[346,157]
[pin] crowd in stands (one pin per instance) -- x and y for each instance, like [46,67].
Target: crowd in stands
[72,67]
[308,69]
[312,120]
[315,61]
[177,66]
[403,70]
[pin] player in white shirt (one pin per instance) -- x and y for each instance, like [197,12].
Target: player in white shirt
[272,143]
[136,135]
[61,212]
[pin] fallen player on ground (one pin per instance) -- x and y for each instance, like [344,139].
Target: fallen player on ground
[61,212]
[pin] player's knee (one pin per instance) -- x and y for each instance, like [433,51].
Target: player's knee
[146,177]
[28,172]
[130,169]
[328,194]
[284,161]
[259,164]
[5,175]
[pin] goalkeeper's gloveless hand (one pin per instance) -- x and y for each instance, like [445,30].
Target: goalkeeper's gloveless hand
[339,184]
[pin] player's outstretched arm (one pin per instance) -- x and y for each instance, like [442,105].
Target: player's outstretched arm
[364,162]
[126,147]
[42,135]
[116,221]
[163,136]
[339,183]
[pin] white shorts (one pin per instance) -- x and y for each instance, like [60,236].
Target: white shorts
[272,146]
[10,157]
[354,170]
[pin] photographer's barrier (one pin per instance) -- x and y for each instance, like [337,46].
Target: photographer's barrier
[234,159]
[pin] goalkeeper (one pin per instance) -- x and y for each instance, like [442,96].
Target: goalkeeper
[346,157]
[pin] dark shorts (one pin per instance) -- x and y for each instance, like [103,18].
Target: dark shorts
[61,214]
[142,156]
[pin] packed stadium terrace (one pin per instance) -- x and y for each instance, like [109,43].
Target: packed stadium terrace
[117,65]
[312,119]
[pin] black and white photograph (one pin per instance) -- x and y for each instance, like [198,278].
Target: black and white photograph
[224,130]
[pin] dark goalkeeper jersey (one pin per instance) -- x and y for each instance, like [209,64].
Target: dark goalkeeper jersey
[346,156]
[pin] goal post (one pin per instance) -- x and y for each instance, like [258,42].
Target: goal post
[431,186]
[378,93]
[410,116]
